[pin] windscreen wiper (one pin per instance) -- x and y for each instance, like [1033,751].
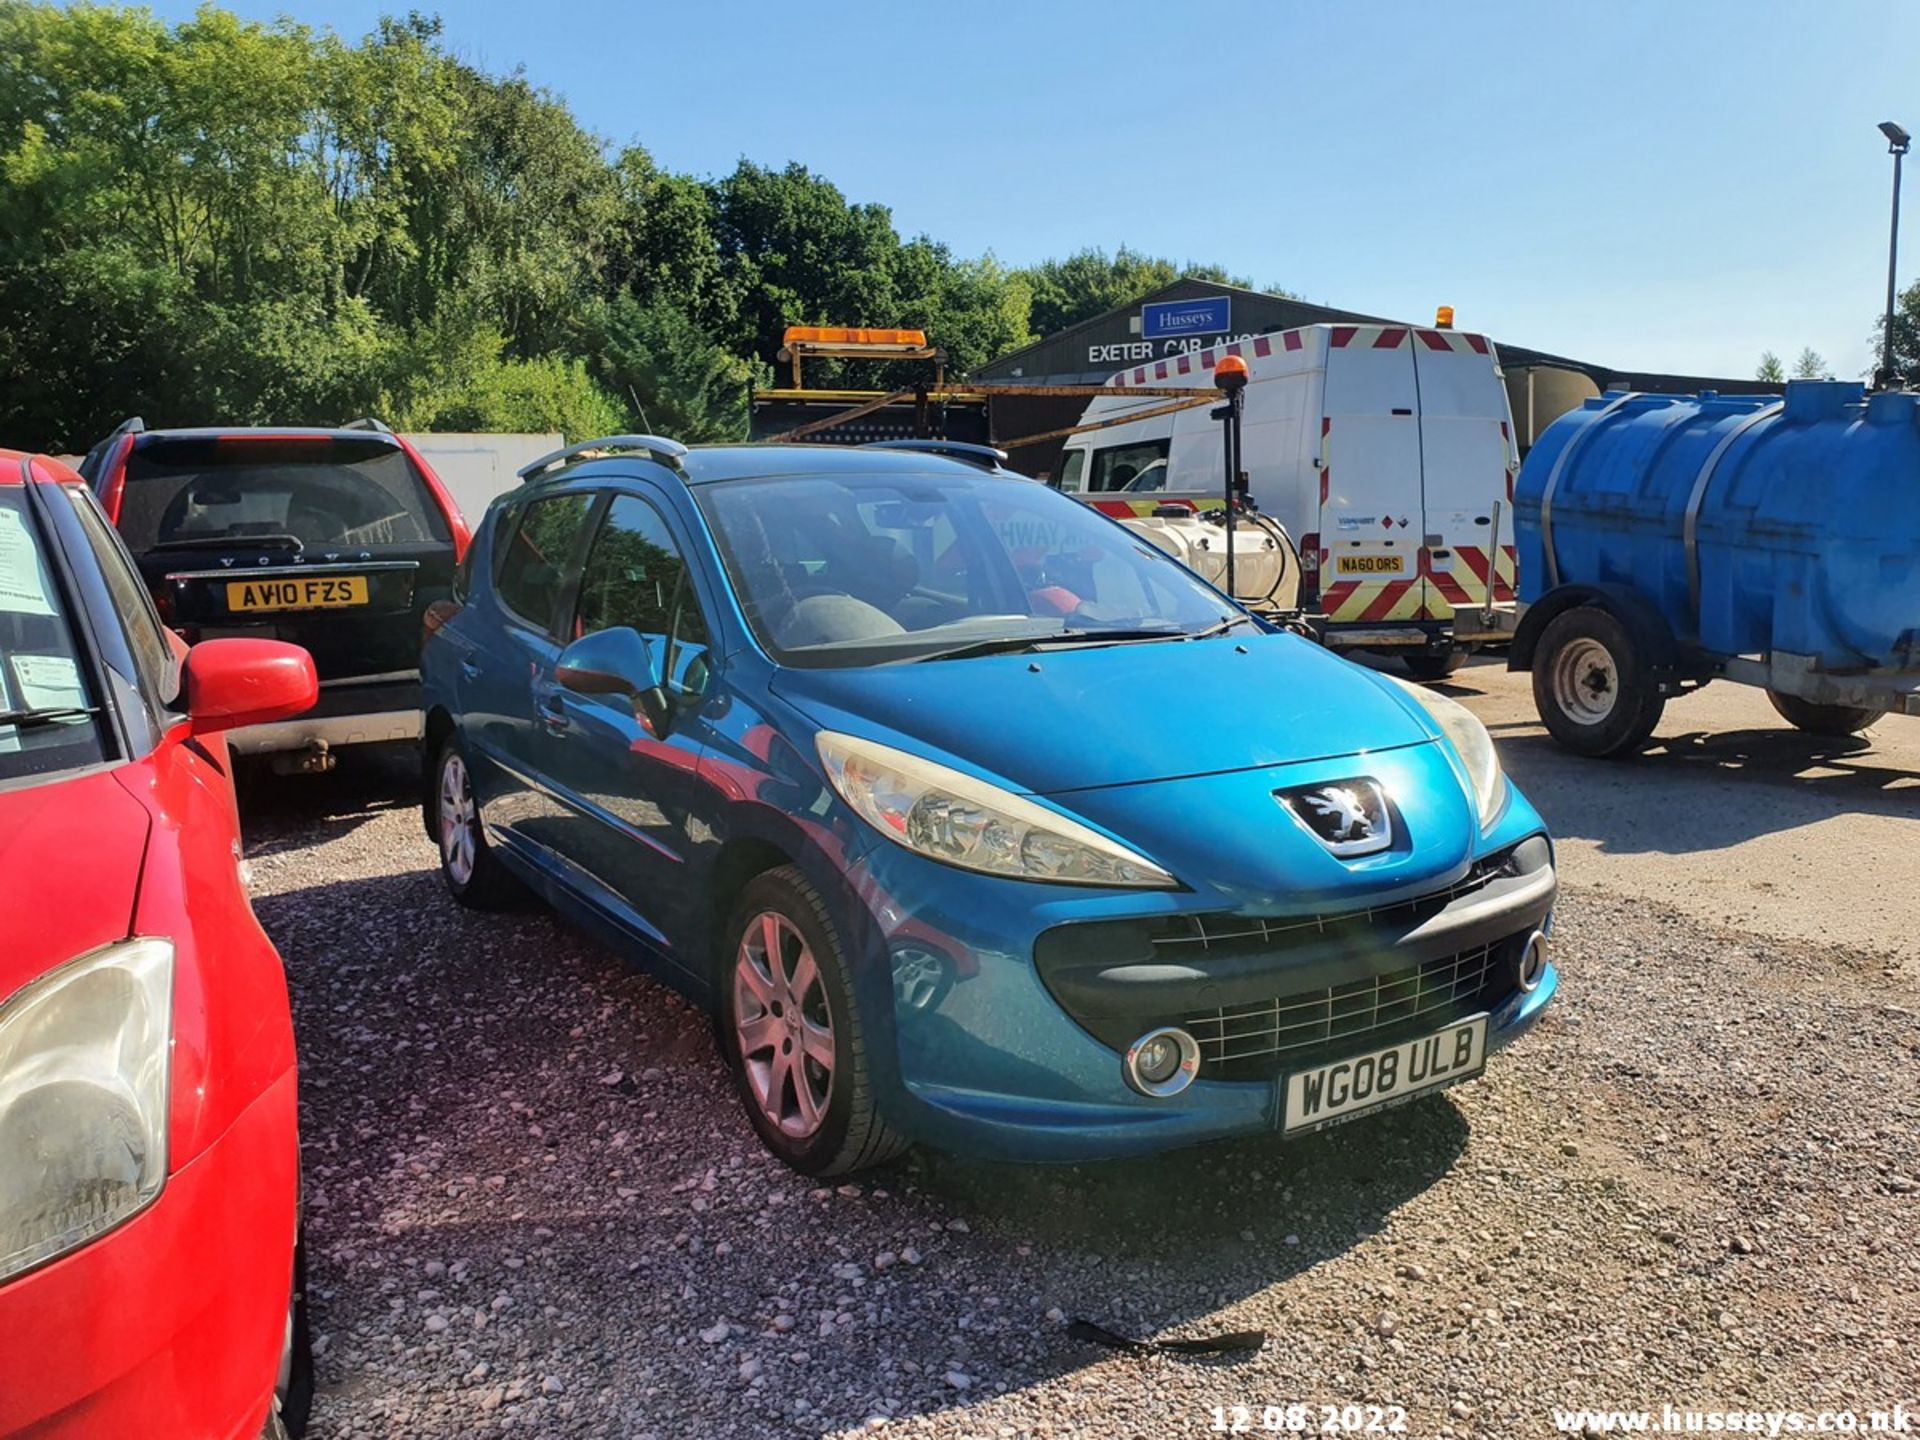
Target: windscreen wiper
[46,715]
[210,541]
[1054,639]
[1226,623]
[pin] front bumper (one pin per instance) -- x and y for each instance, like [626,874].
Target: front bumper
[170,1326]
[1005,1052]
[348,713]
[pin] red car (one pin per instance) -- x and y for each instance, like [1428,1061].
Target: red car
[149,1161]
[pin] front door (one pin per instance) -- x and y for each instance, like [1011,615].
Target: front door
[626,777]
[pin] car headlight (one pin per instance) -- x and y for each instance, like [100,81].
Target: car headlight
[955,818]
[1473,744]
[84,1057]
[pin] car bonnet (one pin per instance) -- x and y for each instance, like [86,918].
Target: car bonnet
[1054,722]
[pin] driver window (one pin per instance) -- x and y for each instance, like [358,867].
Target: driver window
[635,575]
[1118,466]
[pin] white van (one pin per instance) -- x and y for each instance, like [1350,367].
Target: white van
[1387,452]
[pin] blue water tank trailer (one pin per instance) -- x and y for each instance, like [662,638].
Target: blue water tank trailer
[1668,540]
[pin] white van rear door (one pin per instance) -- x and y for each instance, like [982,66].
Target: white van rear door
[1468,464]
[1371,513]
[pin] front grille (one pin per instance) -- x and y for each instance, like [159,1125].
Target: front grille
[1210,932]
[1266,994]
[1308,1025]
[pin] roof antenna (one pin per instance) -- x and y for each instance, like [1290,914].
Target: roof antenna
[645,424]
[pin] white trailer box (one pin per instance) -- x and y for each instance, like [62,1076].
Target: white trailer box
[476,468]
[1386,451]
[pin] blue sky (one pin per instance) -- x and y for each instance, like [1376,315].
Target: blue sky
[1655,186]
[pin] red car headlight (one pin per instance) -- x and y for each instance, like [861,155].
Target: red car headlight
[84,1059]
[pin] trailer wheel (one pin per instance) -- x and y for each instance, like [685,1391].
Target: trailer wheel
[1429,668]
[1591,684]
[1824,719]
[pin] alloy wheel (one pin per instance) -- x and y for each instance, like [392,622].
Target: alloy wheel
[458,819]
[784,1024]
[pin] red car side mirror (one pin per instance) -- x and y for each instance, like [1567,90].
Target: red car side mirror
[230,683]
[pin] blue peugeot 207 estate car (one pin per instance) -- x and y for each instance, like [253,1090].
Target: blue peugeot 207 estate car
[972,817]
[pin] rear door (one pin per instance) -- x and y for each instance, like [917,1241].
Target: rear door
[1372,514]
[506,677]
[1468,462]
[331,542]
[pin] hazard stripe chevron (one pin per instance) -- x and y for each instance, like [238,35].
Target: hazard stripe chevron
[1375,337]
[1467,585]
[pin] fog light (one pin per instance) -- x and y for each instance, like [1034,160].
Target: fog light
[1162,1062]
[1532,968]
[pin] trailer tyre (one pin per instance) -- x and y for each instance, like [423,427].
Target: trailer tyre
[1824,719]
[1592,686]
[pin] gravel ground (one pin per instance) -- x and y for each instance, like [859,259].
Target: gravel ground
[535,1207]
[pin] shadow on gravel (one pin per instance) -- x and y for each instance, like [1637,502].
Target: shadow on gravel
[1211,1223]
[293,812]
[1704,790]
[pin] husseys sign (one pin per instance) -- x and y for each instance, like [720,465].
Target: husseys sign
[1171,328]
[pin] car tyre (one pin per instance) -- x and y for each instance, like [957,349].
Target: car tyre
[1591,685]
[793,1033]
[473,873]
[1818,719]
[293,1389]
[1430,668]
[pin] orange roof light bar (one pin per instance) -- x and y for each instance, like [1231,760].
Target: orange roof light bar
[851,335]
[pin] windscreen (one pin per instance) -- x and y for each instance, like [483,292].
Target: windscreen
[860,569]
[49,719]
[324,492]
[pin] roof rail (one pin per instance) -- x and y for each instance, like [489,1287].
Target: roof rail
[983,455]
[655,447]
[367,422]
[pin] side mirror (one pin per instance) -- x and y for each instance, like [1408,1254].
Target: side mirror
[230,683]
[619,662]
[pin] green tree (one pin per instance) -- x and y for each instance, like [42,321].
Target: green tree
[229,221]
[1770,369]
[670,376]
[1810,365]
[1906,337]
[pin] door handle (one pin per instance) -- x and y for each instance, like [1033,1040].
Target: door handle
[469,666]
[553,714]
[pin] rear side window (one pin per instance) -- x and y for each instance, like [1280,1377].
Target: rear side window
[1131,467]
[532,567]
[323,492]
[49,715]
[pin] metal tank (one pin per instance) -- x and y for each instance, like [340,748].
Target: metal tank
[1756,525]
